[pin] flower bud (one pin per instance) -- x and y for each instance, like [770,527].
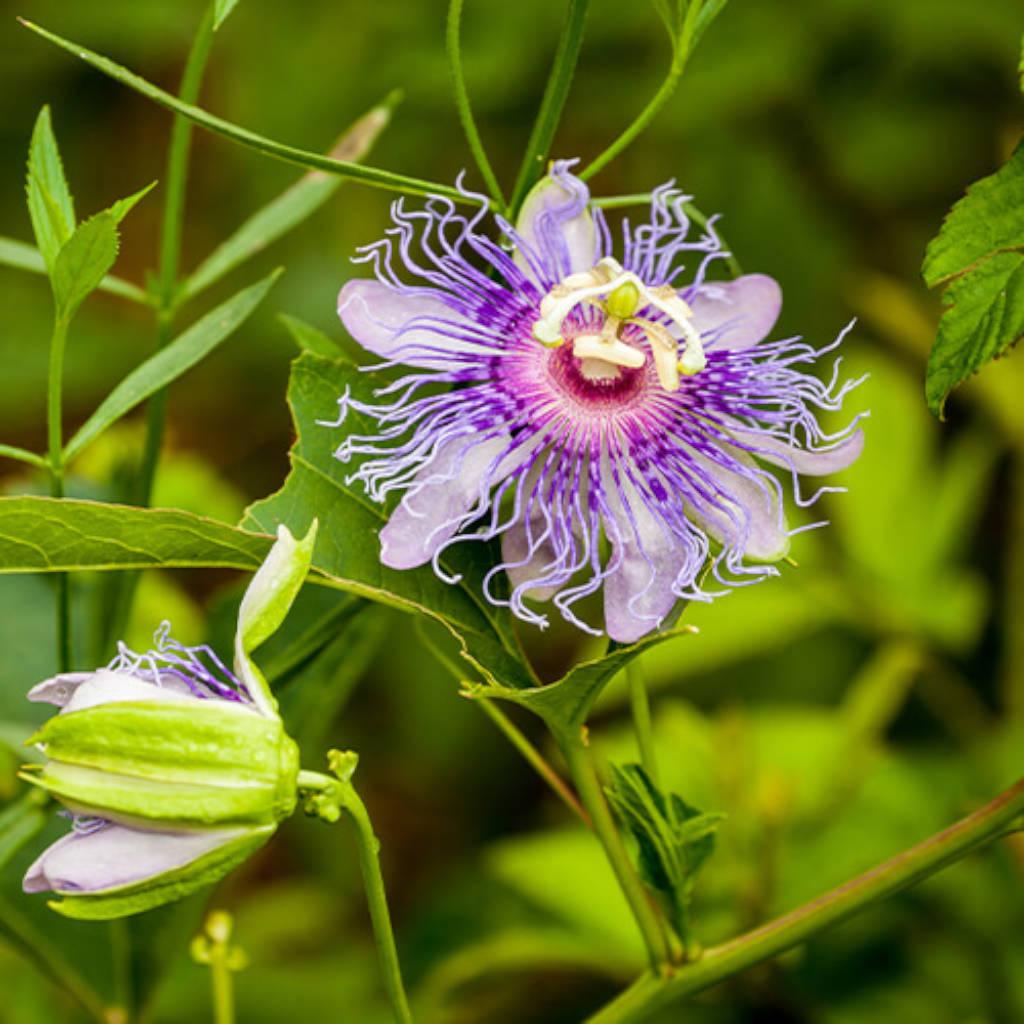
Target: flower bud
[174,768]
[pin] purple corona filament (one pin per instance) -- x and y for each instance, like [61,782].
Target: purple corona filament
[605,413]
[199,668]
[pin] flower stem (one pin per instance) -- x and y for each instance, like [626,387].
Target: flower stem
[373,882]
[223,992]
[462,104]
[641,709]
[680,54]
[652,991]
[581,766]
[552,104]
[54,431]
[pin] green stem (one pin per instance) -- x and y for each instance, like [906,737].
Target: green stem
[553,102]
[223,991]
[680,55]
[641,709]
[652,991]
[581,766]
[121,953]
[462,104]
[54,431]
[533,757]
[373,882]
[373,176]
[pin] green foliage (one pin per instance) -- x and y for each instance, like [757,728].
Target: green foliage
[674,840]
[171,362]
[50,205]
[221,9]
[85,258]
[565,704]
[311,339]
[979,257]
[47,535]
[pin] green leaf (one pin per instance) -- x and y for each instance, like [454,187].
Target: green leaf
[312,339]
[979,254]
[290,208]
[348,548]
[25,257]
[49,201]
[50,535]
[674,840]
[290,154]
[171,362]
[85,258]
[10,451]
[221,9]
[565,704]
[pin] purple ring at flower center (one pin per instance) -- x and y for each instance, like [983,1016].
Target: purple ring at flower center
[594,384]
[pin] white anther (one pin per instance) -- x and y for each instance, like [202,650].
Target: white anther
[611,350]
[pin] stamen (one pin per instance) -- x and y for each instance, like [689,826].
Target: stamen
[623,294]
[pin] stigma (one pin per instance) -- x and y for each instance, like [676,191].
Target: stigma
[621,296]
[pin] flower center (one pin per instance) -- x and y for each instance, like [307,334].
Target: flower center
[621,296]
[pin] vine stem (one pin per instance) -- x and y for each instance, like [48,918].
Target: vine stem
[996,819]
[462,104]
[581,767]
[680,55]
[223,991]
[641,708]
[54,432]
[553,102]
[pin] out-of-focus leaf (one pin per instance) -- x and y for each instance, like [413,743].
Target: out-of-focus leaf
[674,840]
[26,257]
[221,9]
[290,208]
[171,362]
[19,822]
[348,547]
[50,206]
[85,258]
[311,339]
[979,253]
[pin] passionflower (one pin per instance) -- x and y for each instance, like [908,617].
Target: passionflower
[609,413]
[173,767]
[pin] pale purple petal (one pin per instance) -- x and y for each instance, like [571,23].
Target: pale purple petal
[438,501]
[556,226]
[812,462]
[59,689]
[411,326]
[638,593]
[523,564]
[735,314]
[114,856]
[107,687]
[745,512]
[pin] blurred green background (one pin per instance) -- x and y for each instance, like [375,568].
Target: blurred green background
[866,699]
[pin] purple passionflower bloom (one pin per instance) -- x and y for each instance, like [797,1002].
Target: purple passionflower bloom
[607,413]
